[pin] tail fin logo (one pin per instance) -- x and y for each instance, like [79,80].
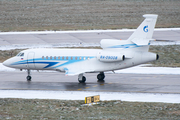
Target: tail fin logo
[145,28]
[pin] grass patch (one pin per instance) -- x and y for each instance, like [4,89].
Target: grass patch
[62,109]
[169,55]
[34,15]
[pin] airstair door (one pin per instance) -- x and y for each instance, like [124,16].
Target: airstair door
[30,60]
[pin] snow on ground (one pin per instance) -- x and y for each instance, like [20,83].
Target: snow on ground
[150,70]
[83,31]
[80,95]
[63,45]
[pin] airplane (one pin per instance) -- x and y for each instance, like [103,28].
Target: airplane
[114,55]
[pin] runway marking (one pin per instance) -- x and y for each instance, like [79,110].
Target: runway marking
[101,84]
[86,87]
[109,83]
[95,86]
[79,89]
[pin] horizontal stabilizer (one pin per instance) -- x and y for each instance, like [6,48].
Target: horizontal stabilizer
[141,41]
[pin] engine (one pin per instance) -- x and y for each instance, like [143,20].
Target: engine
[148,57]
[106,56]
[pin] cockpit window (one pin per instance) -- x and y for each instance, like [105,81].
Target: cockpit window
[20,54]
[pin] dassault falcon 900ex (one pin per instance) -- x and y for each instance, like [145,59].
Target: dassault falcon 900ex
[114,55]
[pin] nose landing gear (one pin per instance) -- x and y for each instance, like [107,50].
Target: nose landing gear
[81,78]
[29,75]
[28,78]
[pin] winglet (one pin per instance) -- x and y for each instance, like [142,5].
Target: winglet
[144,32]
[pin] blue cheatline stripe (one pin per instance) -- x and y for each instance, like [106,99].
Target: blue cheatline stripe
[125,46]
[51,62]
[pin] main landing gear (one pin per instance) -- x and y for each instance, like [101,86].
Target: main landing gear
[29,75]
[100,77]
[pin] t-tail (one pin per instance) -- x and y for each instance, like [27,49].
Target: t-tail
[139,39]
[144,32]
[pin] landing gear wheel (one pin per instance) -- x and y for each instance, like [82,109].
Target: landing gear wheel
[28,78]
[83,80]
[101,77]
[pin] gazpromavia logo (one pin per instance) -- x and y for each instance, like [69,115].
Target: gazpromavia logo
[145,28]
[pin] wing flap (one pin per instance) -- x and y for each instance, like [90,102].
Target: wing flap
[72,71]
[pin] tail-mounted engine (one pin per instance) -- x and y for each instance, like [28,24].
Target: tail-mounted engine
[106,56]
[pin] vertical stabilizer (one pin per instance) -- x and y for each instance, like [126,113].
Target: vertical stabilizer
[144,32]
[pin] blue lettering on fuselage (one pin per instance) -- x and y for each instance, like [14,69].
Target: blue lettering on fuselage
[109,57]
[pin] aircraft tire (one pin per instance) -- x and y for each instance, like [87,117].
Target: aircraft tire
[28,78]
[100,77]
[83,80]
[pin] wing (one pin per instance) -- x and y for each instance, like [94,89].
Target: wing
[78,68]
[70,70]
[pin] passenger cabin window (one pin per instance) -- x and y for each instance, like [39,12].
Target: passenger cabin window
[79,58]
[59,57]
[66,58]
[71,58]
[42,57]
[51,57]
[46,57]
[55,57]
[63,57]
[75,58]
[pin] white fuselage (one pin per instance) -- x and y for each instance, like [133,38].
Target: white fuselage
[85,60]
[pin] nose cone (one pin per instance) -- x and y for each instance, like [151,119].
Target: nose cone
[8,62]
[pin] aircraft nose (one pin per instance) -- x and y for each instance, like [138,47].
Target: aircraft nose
[7,63]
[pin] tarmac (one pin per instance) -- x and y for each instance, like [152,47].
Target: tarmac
[140,83]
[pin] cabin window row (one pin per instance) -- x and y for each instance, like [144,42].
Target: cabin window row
[64,58]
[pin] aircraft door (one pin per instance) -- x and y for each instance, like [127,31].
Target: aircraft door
[30,60]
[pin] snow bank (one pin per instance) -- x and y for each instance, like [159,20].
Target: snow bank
[84,31]
[150,70]
[80,95]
